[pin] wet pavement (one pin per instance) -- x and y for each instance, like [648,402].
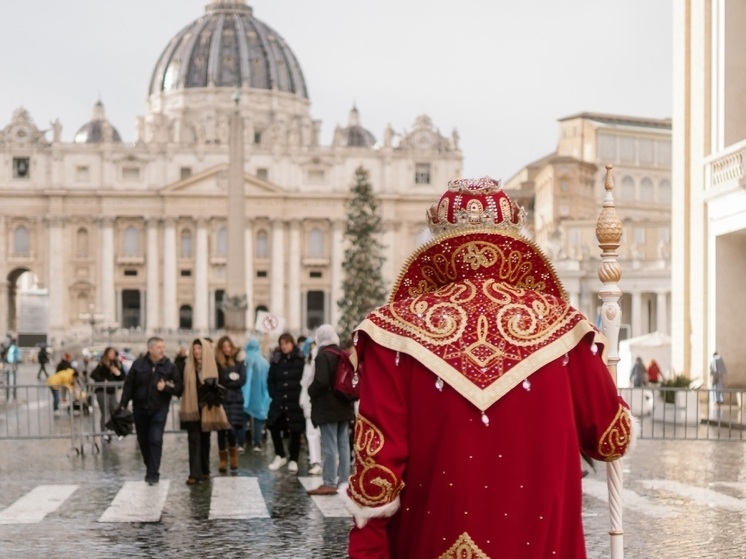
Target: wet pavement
[682,499]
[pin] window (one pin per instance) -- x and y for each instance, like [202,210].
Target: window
[130,273]
[262,244]
[663,149]
[219,312]
[314,309]
[646,151]
[639,236]
[82,173]
[607,147]
[257,138]
[131,173]
[315,243]
[627,191]
[185,173]
[315,275]
[627,150]
[564,186]
[185,317]
[262,174]
[131,242]
[316,176]
[647,193]
[186,273]
[185,246]
[21,168]
[81,242]
[422,173]
[663,234]
[261,273]
[221,245]
[21,241]
[664,191]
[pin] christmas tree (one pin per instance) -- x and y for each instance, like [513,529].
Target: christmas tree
[362,287]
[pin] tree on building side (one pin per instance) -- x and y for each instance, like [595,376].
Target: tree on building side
[362,286]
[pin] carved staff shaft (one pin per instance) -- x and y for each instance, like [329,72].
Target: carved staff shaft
[609,235]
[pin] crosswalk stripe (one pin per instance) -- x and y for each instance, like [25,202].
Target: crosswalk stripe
[137,501]
[36,504]
[630,499]
[331,506]
[237,498]
[699,495]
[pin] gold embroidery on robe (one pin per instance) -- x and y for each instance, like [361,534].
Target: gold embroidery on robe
[616,438]
[464,548]
[372,485]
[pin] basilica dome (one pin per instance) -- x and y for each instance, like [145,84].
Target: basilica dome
[228,47]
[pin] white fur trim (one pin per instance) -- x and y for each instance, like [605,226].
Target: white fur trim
[362,514]
[634,431]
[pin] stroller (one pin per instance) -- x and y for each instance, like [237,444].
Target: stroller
[82,400]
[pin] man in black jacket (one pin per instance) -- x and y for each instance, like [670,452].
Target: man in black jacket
[330,413]
[150,383]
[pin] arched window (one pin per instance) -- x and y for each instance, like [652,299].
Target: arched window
[647,193]
[664,191]
[185,246]
[628,188]
[21,241]
[81,242]
[262,244]
[221,245]
[315,243]
[131,242]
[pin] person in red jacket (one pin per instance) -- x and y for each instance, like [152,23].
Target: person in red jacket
[480,384]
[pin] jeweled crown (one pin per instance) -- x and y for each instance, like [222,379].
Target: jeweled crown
[474,203]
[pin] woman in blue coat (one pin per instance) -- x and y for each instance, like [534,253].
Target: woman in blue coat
[255,393]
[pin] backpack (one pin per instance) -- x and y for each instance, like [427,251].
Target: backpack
[346,386]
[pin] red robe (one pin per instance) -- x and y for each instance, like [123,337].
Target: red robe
[482,459]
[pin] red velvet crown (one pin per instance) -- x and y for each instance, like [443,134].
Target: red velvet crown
[470,203]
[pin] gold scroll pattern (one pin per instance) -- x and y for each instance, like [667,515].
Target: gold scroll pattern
[372,485]
[616,438]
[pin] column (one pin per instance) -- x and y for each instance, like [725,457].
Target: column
[4,275]
[107,295]
[56,276]
[338,227]
[170,316]
[249,260]
[389,240]
[636,318]
[294,258]
[200,278]
[661,312]
[152,294]
[277,295]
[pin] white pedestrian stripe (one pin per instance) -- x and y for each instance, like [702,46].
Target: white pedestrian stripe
[36,504]
[137,502]
[331,506]
[237,498]
[630,499]
[698,495]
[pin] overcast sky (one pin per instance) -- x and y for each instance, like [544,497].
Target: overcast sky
[500,71]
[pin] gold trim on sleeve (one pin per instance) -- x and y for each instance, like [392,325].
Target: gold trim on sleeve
[616,439]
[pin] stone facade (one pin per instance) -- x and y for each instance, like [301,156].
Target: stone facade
[136,234]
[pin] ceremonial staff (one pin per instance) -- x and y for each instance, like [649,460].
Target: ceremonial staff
[609,235]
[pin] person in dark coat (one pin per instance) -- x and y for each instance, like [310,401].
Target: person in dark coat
[109,369]
[285,413]
[331,414]
[43,359]
[231,375]
[149,385]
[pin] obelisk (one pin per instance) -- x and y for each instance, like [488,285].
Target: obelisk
[235,300]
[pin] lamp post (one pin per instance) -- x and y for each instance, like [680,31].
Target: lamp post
[91,318]
[609,236]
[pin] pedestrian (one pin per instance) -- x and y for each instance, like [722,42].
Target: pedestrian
[285,414]
[61,381]
[149,385]
[65,363]
[655,375]
[313,433]
[717,373]
[43,358]
[638,376]
[479,386]
[232,376]
[108,370]
[330,414]
[12,358]
[195,416]
[255,392]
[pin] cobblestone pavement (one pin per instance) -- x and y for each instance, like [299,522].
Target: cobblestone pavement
[682,499]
